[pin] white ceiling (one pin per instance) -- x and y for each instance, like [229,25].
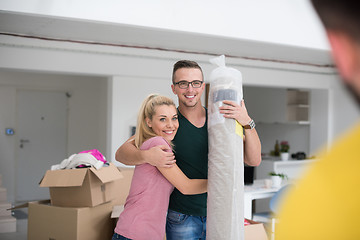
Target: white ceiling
[167,40]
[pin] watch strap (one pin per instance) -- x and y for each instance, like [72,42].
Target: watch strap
[250,125]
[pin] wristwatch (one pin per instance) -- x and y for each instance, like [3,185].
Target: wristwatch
[250,125]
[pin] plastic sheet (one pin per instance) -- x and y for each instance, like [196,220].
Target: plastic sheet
[225,203]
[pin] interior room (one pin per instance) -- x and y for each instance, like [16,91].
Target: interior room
[92,66]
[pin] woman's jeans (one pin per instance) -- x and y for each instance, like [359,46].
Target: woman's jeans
[185,227]
[119,237]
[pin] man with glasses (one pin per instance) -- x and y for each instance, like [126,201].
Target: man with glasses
[185,84]
[187,213]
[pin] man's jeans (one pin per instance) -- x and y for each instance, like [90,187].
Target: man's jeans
[185,227]
[119,237]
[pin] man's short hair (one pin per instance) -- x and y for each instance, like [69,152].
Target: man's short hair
[185,64]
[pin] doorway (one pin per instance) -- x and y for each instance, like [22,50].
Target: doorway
[41,139]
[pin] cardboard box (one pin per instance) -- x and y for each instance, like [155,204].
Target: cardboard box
[255,231]
[4,212]
[7,224]
[116,210]
[122,185]
[61,223]
[3,194]
[84,187]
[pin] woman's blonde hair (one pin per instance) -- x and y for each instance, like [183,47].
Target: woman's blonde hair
[147,110]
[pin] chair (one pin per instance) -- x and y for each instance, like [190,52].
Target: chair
[269,218]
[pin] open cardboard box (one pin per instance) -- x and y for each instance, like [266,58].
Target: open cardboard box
[83,187]
[46,221]
[62,223]
[122,185]
[255,231]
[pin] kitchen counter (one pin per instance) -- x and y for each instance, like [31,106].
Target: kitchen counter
[292,168]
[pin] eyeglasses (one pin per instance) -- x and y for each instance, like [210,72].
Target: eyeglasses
[185,84]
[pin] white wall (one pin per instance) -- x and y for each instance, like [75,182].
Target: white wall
[268,106]
[320,127]
[7,143]
[129,66]
[278,21]
[128,75]
[346,111]
[127,96]
[86,119]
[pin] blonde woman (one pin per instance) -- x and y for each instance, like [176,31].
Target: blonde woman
[144,216]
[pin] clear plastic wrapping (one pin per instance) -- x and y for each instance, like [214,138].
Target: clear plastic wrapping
[225,204]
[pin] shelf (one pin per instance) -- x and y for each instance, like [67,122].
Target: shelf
[286,123]
[297,106]
[295,96]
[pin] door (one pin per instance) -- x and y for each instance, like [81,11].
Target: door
[41,139]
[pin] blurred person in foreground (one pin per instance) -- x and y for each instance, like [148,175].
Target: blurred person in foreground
[325,204]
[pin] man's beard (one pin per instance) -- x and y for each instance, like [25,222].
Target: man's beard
[353,93]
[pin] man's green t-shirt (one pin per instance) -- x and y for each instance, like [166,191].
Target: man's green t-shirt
[191,154]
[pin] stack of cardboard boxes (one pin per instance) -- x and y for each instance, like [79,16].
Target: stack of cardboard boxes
[80,206]
[82,202]
[7,222]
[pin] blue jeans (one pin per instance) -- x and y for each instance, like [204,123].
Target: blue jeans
[118,236]
[185,227]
